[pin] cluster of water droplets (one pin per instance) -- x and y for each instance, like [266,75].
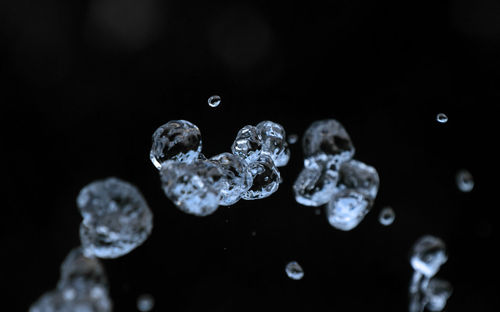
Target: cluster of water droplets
[116,218]
[197,185]
[82,286]
[426,291]
[331,177]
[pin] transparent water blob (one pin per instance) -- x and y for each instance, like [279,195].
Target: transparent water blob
[178,140]
[145,302]
[294,270]
[387,216]
[428,254]
[293,138]
[214,100]
[328,137]
[195,188]
[248,143]
[360,177]
[464,180]
[315,186]
[266,178]
[274,142]
[82,287]
[236,177]
[436,294]
[116,218]
[347,209]
[442,118]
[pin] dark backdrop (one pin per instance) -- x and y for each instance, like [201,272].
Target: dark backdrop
[85,83]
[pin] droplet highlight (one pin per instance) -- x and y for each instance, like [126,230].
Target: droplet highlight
[294,270]
[442,118]
[145,302]
[464,180]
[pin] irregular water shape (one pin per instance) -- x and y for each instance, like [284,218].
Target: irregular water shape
[294,270]
[356,191]
[266,178]
[315,187]
[464,180]
[442,118]
[178,140]
[428,254]
[293,138]
[116,218]
[237,178]
[248,143]
[214,100]
[195,188]
[436,294]
[347,209]
[145,302]
[387,216]
[82,287]
[274,142]
[328,137]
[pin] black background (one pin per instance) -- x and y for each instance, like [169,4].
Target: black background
[85,83]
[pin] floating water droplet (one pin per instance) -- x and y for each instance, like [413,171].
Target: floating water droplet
[116,218]
[293,138]
[145,302]
[194,188]
[387,216]
[465,181]
[248,143]
[236,177]
[294,270]
[266,178]
[428,254]
[315,187]
[442,118]
[214,100]
[177,140]
[437,292]
[75,291]
[273,142]
[328,137]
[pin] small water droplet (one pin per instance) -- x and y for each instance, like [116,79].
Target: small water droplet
[214,100]
[145,303]
[442,118]
[386,216]
[465,181]
[293,138]
[294,270]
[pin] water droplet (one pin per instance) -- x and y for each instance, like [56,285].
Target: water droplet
[214,100]
[386,216]
[442,118]
[178,140]
[437,292]
[294,270]
[428,254]
[116,218]
[465,181]
[145,302]
[293,138]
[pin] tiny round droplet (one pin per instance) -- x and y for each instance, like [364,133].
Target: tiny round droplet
[145,303]
[465,181]
[386,216]
[441,118]
[214,100]
[294,270]
[293,138]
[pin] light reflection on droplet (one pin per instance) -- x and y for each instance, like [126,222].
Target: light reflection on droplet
[442,118]
[214,100]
